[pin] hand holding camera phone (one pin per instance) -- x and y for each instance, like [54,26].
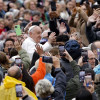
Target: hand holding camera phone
[18,88]
[18,62]
[47,59]
[88,80]
[84,54]
[18,30]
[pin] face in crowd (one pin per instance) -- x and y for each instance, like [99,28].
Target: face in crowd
[35,34]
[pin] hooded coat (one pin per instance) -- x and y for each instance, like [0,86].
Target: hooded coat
[8,92]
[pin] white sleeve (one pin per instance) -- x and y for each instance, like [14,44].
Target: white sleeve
[30,48]
[47,47]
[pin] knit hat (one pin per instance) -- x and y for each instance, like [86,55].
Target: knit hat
[73,48]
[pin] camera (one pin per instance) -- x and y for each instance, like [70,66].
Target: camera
[47,59]
[18,90]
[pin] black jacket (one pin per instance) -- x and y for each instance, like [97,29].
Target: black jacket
[92,33]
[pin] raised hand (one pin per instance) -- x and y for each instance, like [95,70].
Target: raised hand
[74,11]
[39,49]
[67,56]
[52,37]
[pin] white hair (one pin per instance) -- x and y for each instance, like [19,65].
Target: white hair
[44,88]
[8,14]
[15,12]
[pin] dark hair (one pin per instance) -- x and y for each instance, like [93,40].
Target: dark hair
[17,75]
[13,52]
[36,13]
[83,94]
[27,12]
[8,39]
[90,71]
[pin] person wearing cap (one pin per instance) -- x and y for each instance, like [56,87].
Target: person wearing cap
[34,38]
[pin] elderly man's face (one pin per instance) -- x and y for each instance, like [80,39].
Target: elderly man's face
[36,34]
[91,58]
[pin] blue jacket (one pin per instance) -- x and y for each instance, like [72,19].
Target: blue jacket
[50,78]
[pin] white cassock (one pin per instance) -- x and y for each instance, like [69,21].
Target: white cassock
[29,46]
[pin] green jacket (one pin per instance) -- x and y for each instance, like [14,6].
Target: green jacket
[97,90]
[25,58]
[73,85]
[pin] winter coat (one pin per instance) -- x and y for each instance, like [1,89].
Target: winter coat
[92,33]
[25,58]
[80,25]
[73,85]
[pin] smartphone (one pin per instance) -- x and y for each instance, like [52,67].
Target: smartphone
[47,59]
[53,5]
[18,30]
[18,62]
[49,33]
[43,40]
[18,90]
[98,53]
[84,54]
[36,23]
[88,80]
[81,76]
[61,50]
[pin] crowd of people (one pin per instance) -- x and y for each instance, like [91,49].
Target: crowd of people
[49,49]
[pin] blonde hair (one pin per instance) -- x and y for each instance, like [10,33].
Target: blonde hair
[28,3]
[4,61]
